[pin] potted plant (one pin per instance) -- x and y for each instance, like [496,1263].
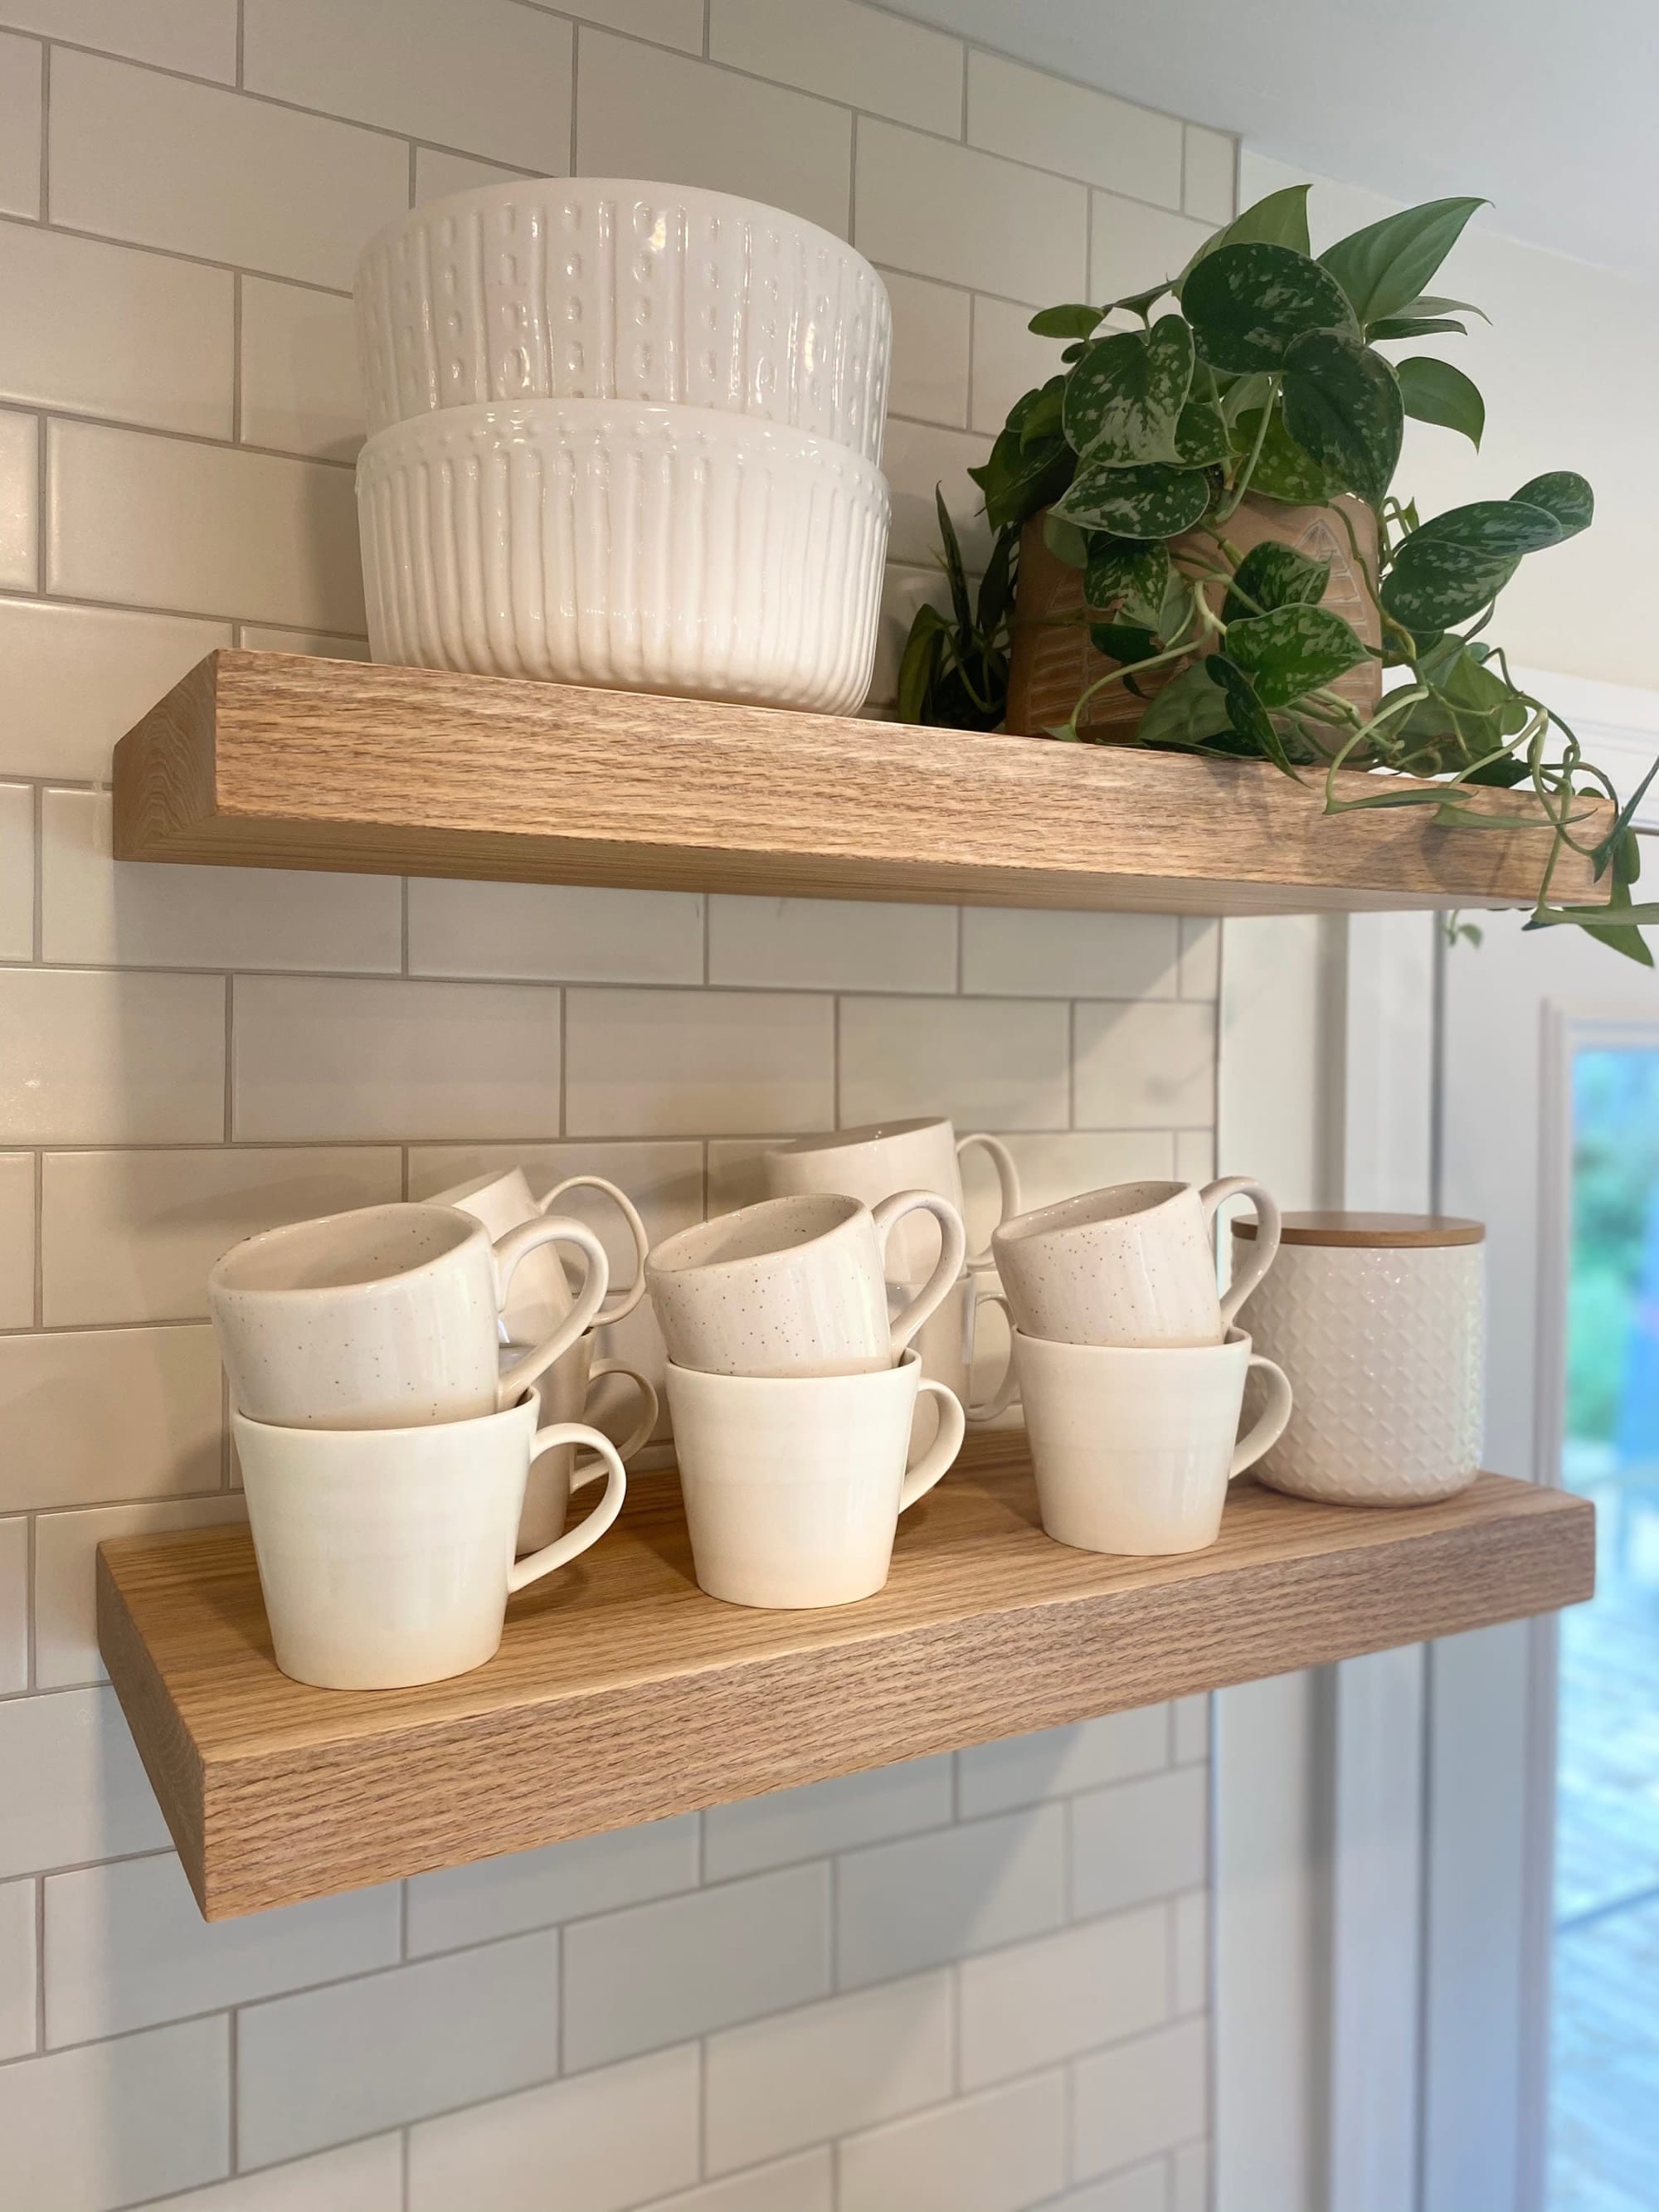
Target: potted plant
[1197,546]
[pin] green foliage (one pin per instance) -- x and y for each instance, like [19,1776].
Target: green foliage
[1265,378]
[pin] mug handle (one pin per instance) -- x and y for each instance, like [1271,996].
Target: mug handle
[508,1250]
[952,1250]
[1266,1236]
[1270,1423]
[940,1455]
[1007,1179]
[628,1298]
[1008,1389]
[589,1531]
[637,1438]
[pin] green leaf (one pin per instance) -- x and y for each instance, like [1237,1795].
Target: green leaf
[1141,303]
[1045,415]
[1414,326]
[1201,437]
[996,586]
[1429,588]
[920,663]
[1280,218]
[1245,709]
[1564,494]
[1271,575]
[1190,710]
[1471,715]
[1283,470]
[1427,303]
[1342,407]
[1293,651]
[1017,480]
[1124,642]
[1434,391]
[1074,320]
[1149,502]
[954,567]
[1123,400]
[1127,574]
[1248,304]
[1065,540]
[1383,267]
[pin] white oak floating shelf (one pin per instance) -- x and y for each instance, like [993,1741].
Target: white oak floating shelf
[283,761]
[621,1693]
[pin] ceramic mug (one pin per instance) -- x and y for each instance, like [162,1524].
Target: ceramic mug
[386,1555]
[873,1162]
[945,1345]
[540,1296]
[1130,1264]
[1134,1446]
[561,1392]
[794,1483]
[796,1285]
[383,1317]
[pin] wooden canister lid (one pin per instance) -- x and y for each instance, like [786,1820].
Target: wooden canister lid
[1375,1233]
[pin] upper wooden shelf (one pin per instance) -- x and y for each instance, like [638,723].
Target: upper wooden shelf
[621,1693]
[278,760]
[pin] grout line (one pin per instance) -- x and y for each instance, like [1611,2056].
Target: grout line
[234,2030]
[707,26]
[236,359]
[564,1060]
[45,130]
[39,1283]
[177,437]
[241,45]
[412,157]
[405,2143]
[39,1968]
[575,76]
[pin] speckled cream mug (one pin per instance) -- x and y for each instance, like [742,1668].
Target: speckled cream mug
[1133,1264]
[539,1296]
[796,1285]
[873,1162]
[386,1555]
[385,1317]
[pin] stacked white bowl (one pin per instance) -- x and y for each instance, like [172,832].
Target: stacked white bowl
[624,434]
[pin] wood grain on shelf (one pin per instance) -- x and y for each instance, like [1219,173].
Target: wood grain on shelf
[281,760]
[621,1693]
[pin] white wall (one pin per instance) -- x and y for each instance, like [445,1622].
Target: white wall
[1565,367]
[977,1983]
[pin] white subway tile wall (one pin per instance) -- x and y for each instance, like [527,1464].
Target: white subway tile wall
[975,1982]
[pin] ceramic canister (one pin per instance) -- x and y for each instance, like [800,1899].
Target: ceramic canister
[1378,1320]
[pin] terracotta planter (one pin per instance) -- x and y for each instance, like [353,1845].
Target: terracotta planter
[1052,663]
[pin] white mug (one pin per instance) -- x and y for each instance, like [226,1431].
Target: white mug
[561,1393]
[540,1296]
[794,1483]
[945,1345]
[1134,1446]
[795,1286]
[1133,1264]
[386,1555]
[383,1317]
[873,1162]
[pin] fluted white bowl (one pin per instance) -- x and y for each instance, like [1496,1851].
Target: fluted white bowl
[654,549]
[602,288]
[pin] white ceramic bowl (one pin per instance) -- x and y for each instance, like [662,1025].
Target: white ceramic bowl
[654,549]
[601,288]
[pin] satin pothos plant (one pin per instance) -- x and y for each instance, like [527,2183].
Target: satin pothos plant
[1260,368]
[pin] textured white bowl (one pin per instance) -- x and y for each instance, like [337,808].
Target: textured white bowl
[602,288]
[654,548]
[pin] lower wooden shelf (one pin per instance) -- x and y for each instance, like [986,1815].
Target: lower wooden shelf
[621,1693]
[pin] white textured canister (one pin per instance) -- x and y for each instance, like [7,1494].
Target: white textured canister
[1379,1320]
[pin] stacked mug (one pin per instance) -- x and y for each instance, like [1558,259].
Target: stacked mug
[1130,1370]
[872,1164]
[624,434]
[386,1444]
[792,1386]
